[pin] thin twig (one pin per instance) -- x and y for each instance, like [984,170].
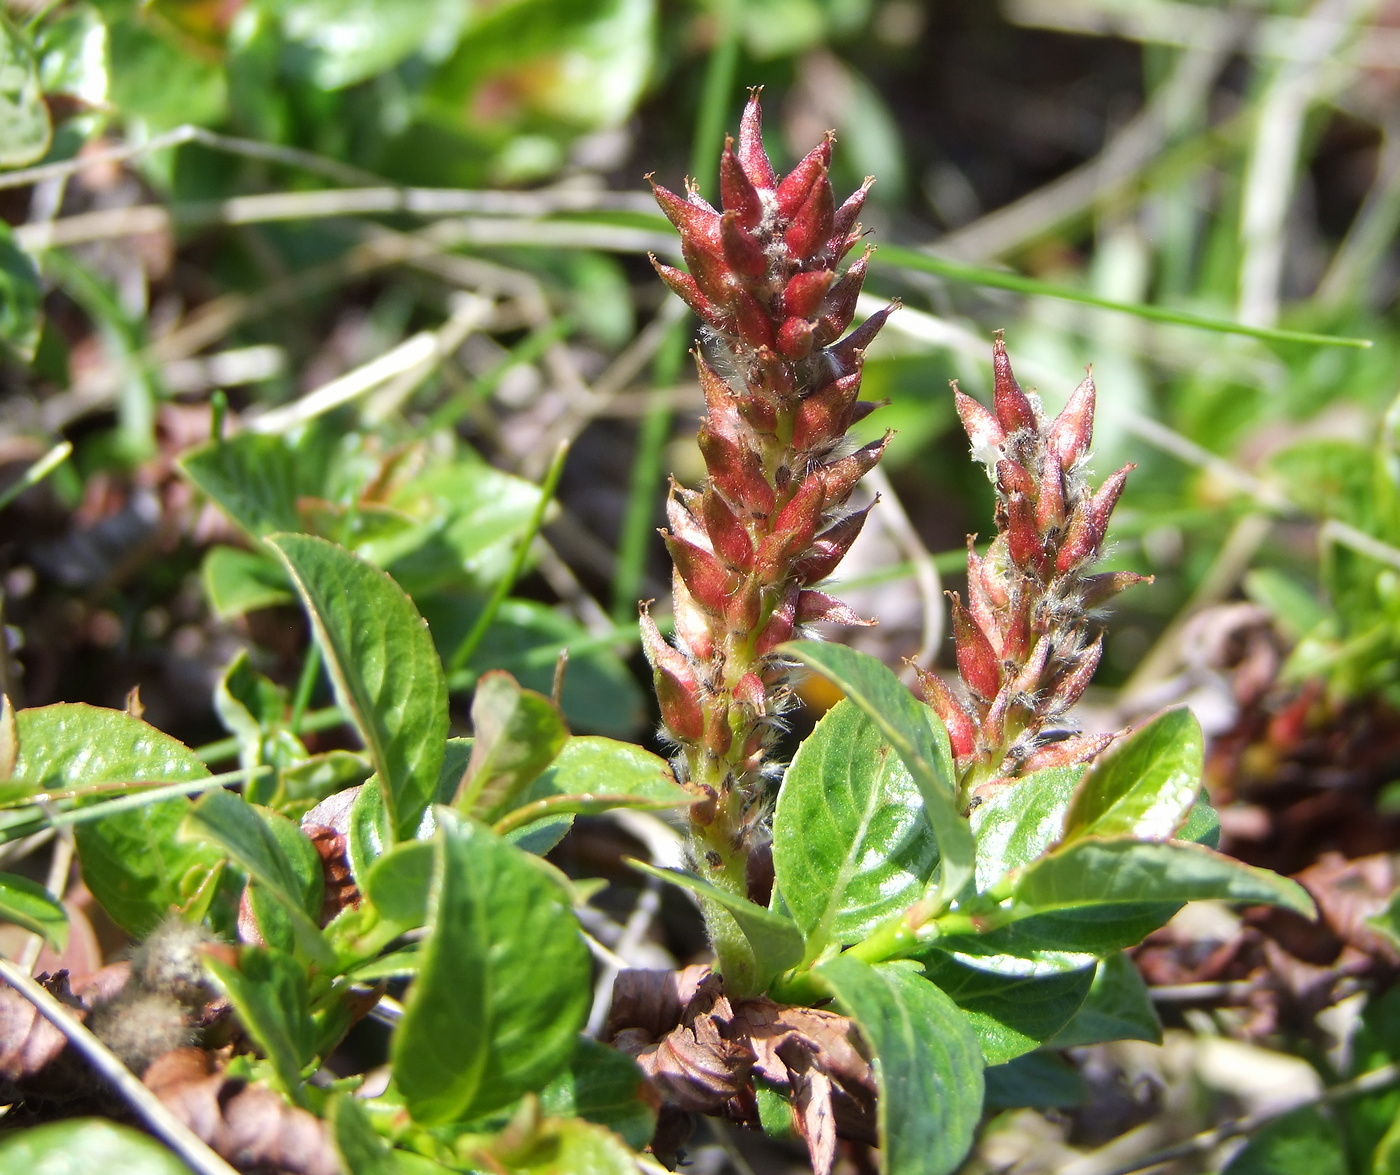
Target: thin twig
[174,1133]
[1208,1140]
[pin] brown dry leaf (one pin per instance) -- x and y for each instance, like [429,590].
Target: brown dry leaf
[29,1044]
[248,1125]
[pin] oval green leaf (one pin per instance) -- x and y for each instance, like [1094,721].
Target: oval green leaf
[1011,1014]
[383,665]
[1143,785]
[918,738]
[80,1146]
[928,1064]
[27,903]
[1095,872]
[1020,821]
[851,844]
[134,862]
[504,982]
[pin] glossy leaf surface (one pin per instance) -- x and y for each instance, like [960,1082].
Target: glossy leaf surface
[851,845]
[928,1064]
[1143,785]
[503,986]
[1010,1014]
[384,668]
[1018,823]
[134,862]
[916,735]
[1096,872]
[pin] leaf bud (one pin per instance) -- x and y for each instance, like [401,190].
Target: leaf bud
[1013,408]
[794,191]
[752,157]
[962,730]
[737,193]
[741,247]
[803,294]
[829,548]
[1073,429]
[978,665]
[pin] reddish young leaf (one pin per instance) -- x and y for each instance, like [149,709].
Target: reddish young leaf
[804,292]
[752,157]
[797,185]
[736,191]
[1013,408]
[977,661]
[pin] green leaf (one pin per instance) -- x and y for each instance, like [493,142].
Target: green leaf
[1106,872]
[369,834]
[134,862]
[603,1086]
[928,1065]
[1067,933]
[80,1146]
[1143,785]
[504,982]
[258,480]
[1036,1080]
[21,295]
[1202,825]
[341,42]
[361,1149]
[1019,822]
[918,738]
[268,992]
[775,942]
[276,855]
[1011,1014]
[72,53]
[27,903]
[567,1147]
[593,774]
[25,129]
[381,660]
[473,515]
[517,734]
[851,845]
[400,881]
[1118,1007]
[1304,1142]
[238,581]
